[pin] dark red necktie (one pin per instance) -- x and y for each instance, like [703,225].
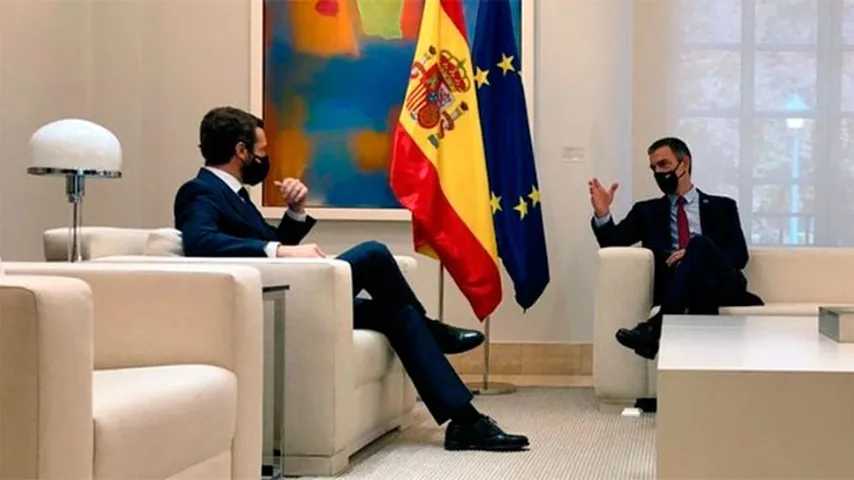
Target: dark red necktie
[682,223]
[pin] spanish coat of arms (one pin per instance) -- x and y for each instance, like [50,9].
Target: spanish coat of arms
[431,103]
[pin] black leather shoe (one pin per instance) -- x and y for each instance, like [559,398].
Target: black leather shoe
[643,339]
[453,339]
[483,434]
[647,404]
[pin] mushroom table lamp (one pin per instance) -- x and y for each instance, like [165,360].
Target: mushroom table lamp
[75,149]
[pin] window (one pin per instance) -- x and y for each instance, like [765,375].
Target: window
[763,92]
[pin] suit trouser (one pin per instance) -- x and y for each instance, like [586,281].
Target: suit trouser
[395,311]
[702,282]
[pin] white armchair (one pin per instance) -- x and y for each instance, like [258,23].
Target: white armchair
[791,282]
[343,387]
[118,371]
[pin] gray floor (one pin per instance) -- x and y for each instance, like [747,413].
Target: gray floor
[571,439]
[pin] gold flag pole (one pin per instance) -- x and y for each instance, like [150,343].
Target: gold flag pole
[441,292]
[478,388]
[486,387]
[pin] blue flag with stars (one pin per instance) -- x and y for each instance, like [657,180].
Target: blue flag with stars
[515,194]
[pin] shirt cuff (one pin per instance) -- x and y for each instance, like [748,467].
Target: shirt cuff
[599,221]
[300,217]
[271,249]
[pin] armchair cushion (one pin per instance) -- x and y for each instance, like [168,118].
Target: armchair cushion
[153,422]
[373,356]
[164,242]
[805,274]
[95,242]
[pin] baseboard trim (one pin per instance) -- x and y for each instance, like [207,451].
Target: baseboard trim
[528,359]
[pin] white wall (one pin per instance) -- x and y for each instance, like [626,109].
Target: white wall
[584,78]
[45,65]
[651,54]
[149,70]
[159,66]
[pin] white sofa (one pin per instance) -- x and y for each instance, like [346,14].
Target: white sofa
[99,381]
[344,387]
[791,282]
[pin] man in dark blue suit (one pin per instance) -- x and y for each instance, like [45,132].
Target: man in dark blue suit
[696,239]
[217,219]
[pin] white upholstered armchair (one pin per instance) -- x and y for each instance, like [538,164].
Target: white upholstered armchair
[117,371]
[343,387]
[791,281]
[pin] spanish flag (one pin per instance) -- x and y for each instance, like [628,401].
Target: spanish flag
[438,166]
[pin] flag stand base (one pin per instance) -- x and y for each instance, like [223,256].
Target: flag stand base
[491,388]
[487,387]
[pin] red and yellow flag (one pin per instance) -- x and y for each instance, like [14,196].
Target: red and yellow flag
[438,168]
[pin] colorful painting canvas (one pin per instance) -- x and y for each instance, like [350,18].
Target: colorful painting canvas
[335,72]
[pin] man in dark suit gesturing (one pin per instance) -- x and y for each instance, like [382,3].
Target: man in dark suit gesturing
[696,239]
[217,219]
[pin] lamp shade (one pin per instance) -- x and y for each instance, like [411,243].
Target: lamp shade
[74,144]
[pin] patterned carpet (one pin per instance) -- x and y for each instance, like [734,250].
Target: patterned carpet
[570,437]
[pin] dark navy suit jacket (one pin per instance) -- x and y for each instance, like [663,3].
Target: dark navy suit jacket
[215,222]
[648,222]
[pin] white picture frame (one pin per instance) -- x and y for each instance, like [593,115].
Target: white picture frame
[256,107]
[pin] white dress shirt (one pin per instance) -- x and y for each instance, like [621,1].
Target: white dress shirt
[235,186]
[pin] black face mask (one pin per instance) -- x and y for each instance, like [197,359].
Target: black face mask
[668,182]
[256,170]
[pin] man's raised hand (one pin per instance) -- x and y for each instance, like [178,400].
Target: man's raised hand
[601,198]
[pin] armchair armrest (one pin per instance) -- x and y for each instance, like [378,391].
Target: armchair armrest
[319,376]
[623,298]
[46,356]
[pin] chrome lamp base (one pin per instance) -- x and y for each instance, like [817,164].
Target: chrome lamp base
[75,189]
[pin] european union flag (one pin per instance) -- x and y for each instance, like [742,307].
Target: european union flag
[516,208]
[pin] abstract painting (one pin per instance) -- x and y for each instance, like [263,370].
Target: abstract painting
[335,73]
